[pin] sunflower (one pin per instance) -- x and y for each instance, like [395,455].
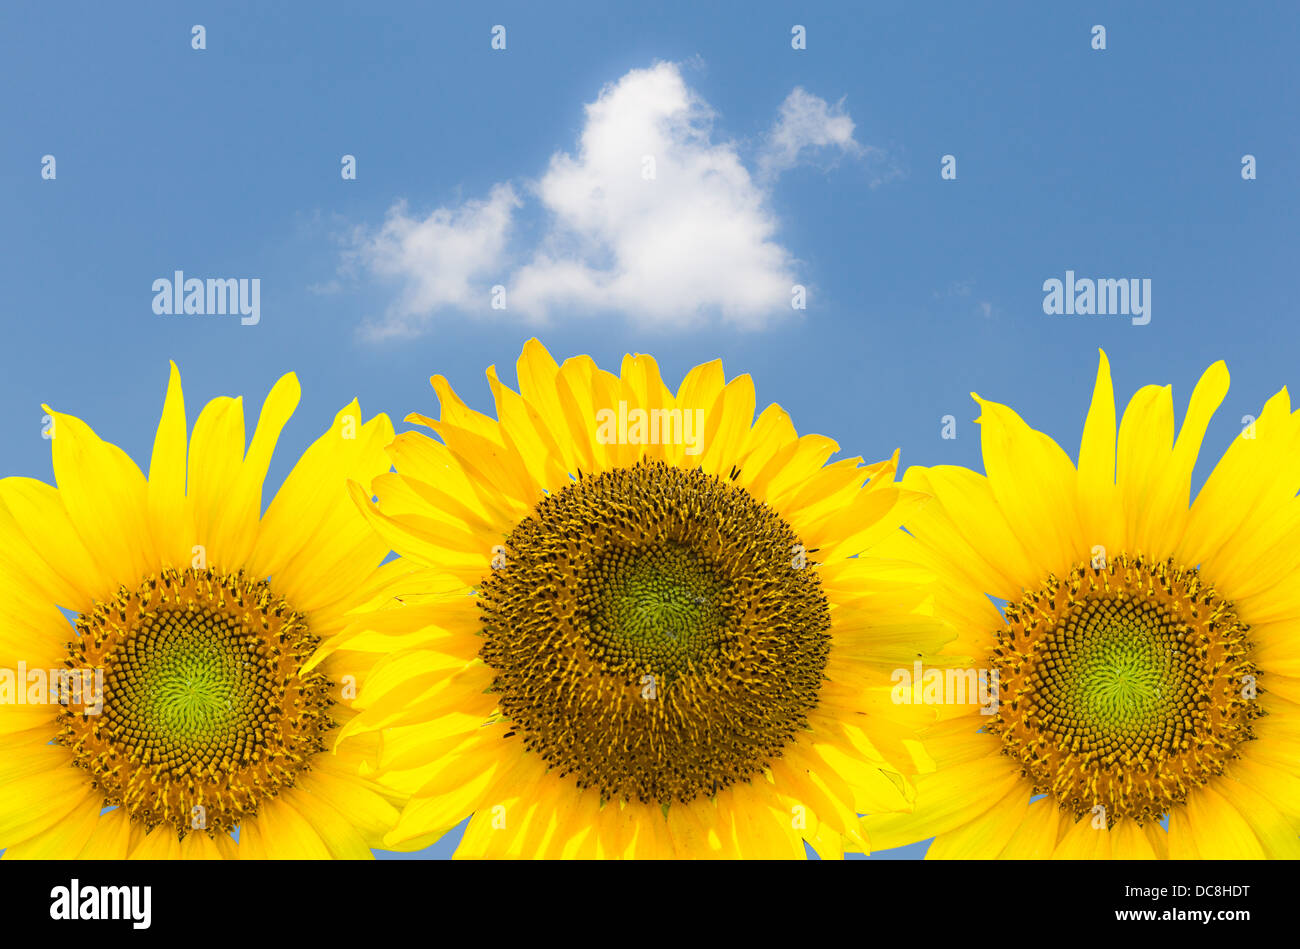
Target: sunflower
[195,698]
[1148,656]
[654,637]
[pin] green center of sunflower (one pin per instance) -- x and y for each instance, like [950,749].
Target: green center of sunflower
[1123,677]
[193,686]
[205,709]
[653,634]
[660,606]
[1124,687]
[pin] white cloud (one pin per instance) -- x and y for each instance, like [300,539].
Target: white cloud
[649,217]
[699,235]
[441,261]
[806,122]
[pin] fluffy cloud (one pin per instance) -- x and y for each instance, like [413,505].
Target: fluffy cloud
[440,262]
[650,217]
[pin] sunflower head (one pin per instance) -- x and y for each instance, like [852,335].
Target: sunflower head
[642,608]
[1125,687]
[207,709]
[205,628]
[658,637]
[1146,648]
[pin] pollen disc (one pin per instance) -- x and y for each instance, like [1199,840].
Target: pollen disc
[1124,687]
[655,632]
[205,709]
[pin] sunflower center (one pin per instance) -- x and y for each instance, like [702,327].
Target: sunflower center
[205,709]
[660,606]
[1124,687]
[652,634]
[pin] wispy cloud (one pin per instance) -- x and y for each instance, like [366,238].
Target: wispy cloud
[806,124]
[963,290]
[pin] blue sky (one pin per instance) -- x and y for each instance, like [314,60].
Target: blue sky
[225,162]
